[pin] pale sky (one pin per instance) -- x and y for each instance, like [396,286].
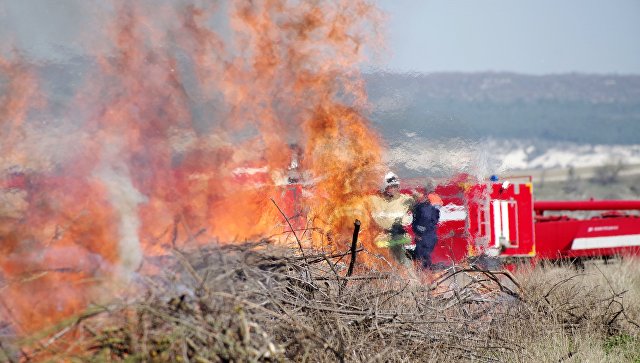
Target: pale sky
[524,36]
[532,36]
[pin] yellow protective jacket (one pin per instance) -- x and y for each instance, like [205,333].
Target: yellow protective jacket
[385,212]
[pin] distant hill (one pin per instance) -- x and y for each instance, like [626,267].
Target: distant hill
[580,108]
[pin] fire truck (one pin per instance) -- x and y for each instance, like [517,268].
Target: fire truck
[501,219]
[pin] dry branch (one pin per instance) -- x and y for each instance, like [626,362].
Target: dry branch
[256,302]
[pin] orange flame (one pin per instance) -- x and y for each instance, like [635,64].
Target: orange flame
[186,137]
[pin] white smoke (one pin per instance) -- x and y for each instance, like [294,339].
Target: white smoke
[420,156]
[124,198]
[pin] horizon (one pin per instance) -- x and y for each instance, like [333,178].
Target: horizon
[568,73]
[367,70]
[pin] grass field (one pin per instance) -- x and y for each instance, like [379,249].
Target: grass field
[261,303]
[585,183]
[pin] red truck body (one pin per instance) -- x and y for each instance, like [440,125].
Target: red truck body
[502,220]
[608,234]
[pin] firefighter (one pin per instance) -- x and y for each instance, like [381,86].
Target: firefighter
[426,215]
[390,211]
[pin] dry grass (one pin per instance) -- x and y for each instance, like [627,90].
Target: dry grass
[260,303]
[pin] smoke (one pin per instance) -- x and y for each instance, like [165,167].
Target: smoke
[417,156]
[124,198]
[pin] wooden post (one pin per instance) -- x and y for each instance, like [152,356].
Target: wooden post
[354,242]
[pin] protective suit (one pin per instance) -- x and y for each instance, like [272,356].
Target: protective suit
[390,211]
[425,226]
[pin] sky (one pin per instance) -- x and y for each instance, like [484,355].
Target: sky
[532,36]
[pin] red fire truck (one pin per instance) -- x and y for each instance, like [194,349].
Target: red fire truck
[501,219]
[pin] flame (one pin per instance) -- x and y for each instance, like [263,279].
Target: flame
[186,135]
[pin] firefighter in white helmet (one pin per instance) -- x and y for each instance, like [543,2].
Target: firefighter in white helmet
[390,211]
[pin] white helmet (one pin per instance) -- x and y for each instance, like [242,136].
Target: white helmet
[390,179]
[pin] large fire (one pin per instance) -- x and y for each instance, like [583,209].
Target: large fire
[182,133]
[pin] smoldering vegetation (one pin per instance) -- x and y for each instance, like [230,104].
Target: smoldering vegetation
[258,302]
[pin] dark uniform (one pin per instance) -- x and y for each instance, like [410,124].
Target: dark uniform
[425,227]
